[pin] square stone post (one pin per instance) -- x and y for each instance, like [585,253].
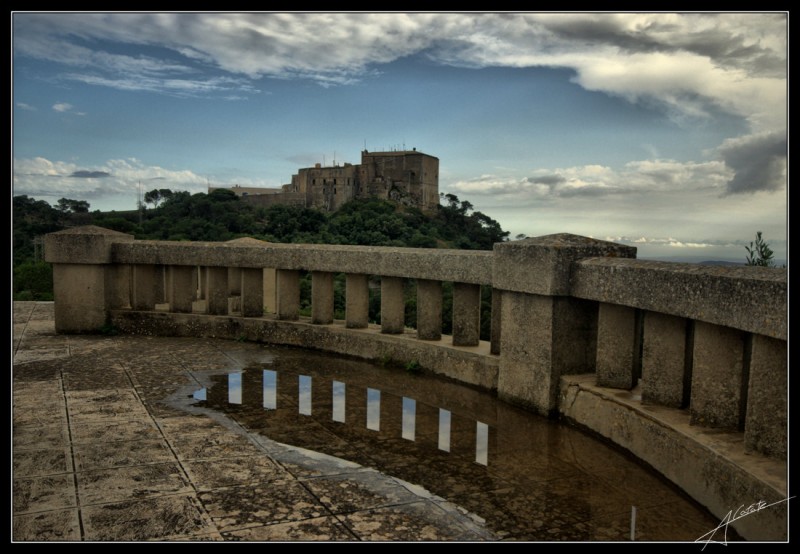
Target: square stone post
[497,302]
[392,305]
[321,297]
[270,290]
[288,285]
[252,301]
[664,360]
[718,376]
[145,287]
[181,285]
[84,283]
[217,290]
[617,352]
[356,301]
[765,426]
[466,314]
[545,333]
[429,309]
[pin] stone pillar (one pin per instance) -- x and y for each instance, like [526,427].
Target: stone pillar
[321,297]
[617,352]
[466,314]
[765,427]
[118,286]
[392,305]
[288,286]
[82,281]
[665,378]
[356,301]
[497,300]
[270,290]
[252,290]
[181,285]
[545,333]
[145,287]
[217,290]
[717,376]
[429,309]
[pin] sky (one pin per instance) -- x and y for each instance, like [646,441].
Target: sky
[664,131]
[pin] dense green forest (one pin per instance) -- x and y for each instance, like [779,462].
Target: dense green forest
[221,216]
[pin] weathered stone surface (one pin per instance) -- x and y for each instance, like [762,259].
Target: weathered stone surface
[181,286]
[429,309]
[80,294]
[357,300]
[392,305]
[216,295]
[553,336]
[717,376]
[747,298]
[82,245]
[462,266]
[543,265]
[252,292]
[288,285]
[766,424]
[321,297]
[466,314]
[617,354]
[664,360]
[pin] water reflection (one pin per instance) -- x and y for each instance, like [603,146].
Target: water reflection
[482,443]
[527,477]
[270,390]
[444,429]
[304,395]
[409,418]
[235,388]
[338,401]
[373,409]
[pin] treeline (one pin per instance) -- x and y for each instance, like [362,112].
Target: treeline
[221,216]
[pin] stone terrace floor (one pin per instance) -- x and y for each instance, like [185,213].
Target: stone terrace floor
[98,455]
[110,445]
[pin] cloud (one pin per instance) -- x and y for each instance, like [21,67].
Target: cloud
[688,63]
[84,174]
[62,107]
[40,177]
[24,106]
[759,161]
[639,177]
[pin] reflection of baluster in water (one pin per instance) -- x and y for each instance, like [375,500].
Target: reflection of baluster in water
[338,401]
[409,418]
[235,388]
[482,443]
[304,395]
[444,430]
[269,389]
[373,409]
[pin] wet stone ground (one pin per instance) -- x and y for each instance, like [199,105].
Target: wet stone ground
[119,438]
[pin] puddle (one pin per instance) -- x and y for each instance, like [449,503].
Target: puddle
[512,473]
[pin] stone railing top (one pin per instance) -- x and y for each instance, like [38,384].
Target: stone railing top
[82,245]
[543,265]
[464,266]
[752,299]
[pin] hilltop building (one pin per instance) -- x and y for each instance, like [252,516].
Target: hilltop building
[406,176]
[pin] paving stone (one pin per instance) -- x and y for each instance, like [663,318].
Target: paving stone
[150,519]
[39,494]
[113,485]
[326,529]
[279,501]
[123,453]
[212,474]
[57,525]
[34,463]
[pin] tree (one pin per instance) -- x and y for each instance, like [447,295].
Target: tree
[66,205]
[156,196]
[760,253]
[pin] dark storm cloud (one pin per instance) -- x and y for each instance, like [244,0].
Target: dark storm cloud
[758,160]
[84,174]
[726,46]
[549,180]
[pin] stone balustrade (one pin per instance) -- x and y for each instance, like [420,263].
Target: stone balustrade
[711,340]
